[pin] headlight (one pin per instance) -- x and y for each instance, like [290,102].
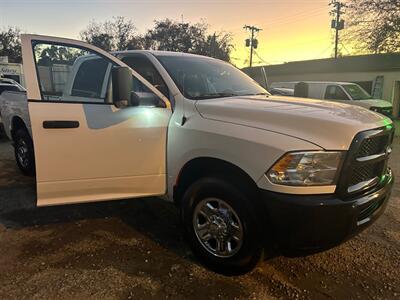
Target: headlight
[376,109]
[306,168]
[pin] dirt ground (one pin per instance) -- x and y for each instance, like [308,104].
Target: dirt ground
[134,249]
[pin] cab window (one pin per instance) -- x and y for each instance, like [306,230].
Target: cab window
[141,64]
[335,92]
[89,79]
[71,74]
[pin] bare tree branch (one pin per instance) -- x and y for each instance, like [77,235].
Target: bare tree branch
[374,25]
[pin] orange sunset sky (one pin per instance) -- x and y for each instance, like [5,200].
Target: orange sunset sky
[292,29]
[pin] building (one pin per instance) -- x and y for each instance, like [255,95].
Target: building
[378,74]
[11,70]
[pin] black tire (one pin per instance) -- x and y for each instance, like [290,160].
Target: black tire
[2,133]
[24,153]
[251,252]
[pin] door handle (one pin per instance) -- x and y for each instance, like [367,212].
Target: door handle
[60,124]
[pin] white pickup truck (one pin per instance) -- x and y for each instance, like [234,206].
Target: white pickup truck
[7,84]
[247,170]
[344,92]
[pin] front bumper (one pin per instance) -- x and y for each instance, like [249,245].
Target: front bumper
[318,222]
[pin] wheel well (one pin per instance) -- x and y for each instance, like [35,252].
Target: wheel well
[16,124]
[206,166]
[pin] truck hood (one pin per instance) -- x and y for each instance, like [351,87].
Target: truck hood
[329,125]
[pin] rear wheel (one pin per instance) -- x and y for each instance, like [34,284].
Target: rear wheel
[221,226]
[24,155]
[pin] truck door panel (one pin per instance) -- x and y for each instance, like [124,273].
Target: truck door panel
[86,149]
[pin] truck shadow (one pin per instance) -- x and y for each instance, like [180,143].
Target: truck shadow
[152,217]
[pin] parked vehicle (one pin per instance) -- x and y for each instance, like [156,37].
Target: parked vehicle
[282,91]
[284,85]
[8,85]
[344,92]
[247,170]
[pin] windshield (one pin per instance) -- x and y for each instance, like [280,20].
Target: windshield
[356,92]
[204,78]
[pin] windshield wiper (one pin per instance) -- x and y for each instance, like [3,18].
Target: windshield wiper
[215,95]
[258,94]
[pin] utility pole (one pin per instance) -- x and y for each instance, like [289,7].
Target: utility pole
[252,43]
[337,23]
[213,45]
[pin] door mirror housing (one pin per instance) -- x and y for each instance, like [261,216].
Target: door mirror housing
[122,82]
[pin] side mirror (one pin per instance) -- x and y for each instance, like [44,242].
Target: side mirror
[122,82]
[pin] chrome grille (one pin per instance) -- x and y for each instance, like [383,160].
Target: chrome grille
[366,161]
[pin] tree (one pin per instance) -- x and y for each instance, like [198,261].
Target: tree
[375,25]
[219,45]
[169,35]
[95,34]
[117,34]
[124,34]
[53,54]
[10,44]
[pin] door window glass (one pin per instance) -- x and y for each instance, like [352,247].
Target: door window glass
[71,74]
[334,92]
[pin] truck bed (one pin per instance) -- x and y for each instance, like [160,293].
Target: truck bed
[14,104]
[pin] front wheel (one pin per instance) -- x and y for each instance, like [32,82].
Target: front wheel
[221,226]
[23,150]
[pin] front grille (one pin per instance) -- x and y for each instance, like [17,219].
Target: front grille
[366,161]
[365,173]
[386,111]
[374,145]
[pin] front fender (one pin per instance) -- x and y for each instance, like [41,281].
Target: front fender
[251,149]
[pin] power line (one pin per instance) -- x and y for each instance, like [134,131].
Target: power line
[284,20]
[322,53]
[348,52]
[252,42]
[260,58]
[295,18]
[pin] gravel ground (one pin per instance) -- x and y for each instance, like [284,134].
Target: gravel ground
[134,249]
